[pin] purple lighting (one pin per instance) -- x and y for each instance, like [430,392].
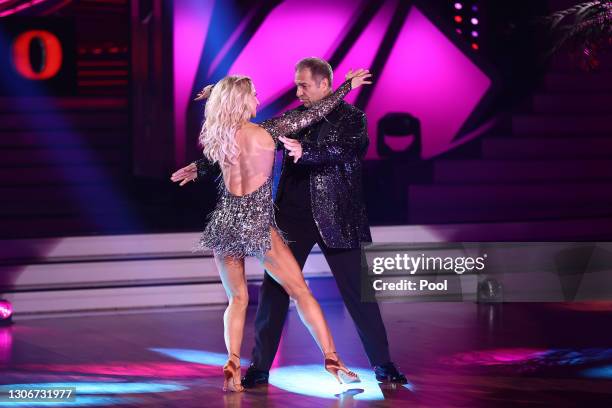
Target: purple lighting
[191,21]
[6,344]
[363,52]
[145,369]
[528,359]
[20,7]
[6,309]
[496,357]
[424,75]
[474,20]
[427,76]
[458,6]
[272,70]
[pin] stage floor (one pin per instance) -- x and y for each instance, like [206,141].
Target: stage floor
[454,355]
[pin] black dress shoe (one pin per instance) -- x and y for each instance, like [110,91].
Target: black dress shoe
[254,377]
[388,373]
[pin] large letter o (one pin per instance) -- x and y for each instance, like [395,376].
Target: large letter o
[52,54]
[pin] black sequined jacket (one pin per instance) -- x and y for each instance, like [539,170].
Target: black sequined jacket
[336,188]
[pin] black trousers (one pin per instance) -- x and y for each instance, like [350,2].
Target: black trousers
[345,265]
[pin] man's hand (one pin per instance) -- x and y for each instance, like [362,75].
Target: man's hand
[359,77]
[293,146]
[185,175]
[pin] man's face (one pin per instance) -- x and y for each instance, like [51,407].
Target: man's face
[308,92]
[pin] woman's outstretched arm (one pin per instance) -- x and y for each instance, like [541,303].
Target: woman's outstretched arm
[296,120]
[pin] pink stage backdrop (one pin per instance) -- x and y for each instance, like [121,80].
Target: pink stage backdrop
[425,75]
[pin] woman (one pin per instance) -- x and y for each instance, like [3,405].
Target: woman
[242,223]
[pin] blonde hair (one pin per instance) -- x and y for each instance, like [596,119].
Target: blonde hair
[226,110]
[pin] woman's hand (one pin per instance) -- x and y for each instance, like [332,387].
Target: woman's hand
[185,175]
[204,93]
[359,77]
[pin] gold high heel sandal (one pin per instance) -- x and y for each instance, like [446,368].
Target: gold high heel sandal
[229,372]
[339,370]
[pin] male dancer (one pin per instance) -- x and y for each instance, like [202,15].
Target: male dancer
[320,200]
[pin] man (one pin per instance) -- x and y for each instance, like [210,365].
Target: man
[320,200]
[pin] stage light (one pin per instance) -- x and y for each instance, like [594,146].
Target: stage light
[604,372]
[198,356]
[399,136]
[20,7]
[313,381]
[535,358]
[459,31]
[474,20]
[458,6]
[475,46]
[6,312]
[458,19]
[474,33]
[474,8]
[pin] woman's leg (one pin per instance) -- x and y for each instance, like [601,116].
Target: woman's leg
[282,266]
[234,282]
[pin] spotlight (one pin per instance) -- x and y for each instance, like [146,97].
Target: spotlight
[474,20]
[458,6]
[474,33]
[399,128]
[6,312]
[475,46]
[458,19]
[474,8]
[459,31]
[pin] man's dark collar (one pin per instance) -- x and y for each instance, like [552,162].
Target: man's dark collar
[334,111]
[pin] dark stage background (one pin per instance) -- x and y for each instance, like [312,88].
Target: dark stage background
[467,123]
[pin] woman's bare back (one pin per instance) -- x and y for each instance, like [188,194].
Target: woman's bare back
[253,166]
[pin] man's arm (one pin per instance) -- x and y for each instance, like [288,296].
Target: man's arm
[353,142]
[205,168]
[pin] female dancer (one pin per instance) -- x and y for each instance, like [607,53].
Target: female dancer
[242,223]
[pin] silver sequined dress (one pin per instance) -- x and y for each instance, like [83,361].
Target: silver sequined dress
[239,226]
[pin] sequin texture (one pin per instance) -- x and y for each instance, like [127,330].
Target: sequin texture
[240,226]
[336,192]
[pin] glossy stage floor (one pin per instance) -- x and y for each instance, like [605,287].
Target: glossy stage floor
[454,354]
